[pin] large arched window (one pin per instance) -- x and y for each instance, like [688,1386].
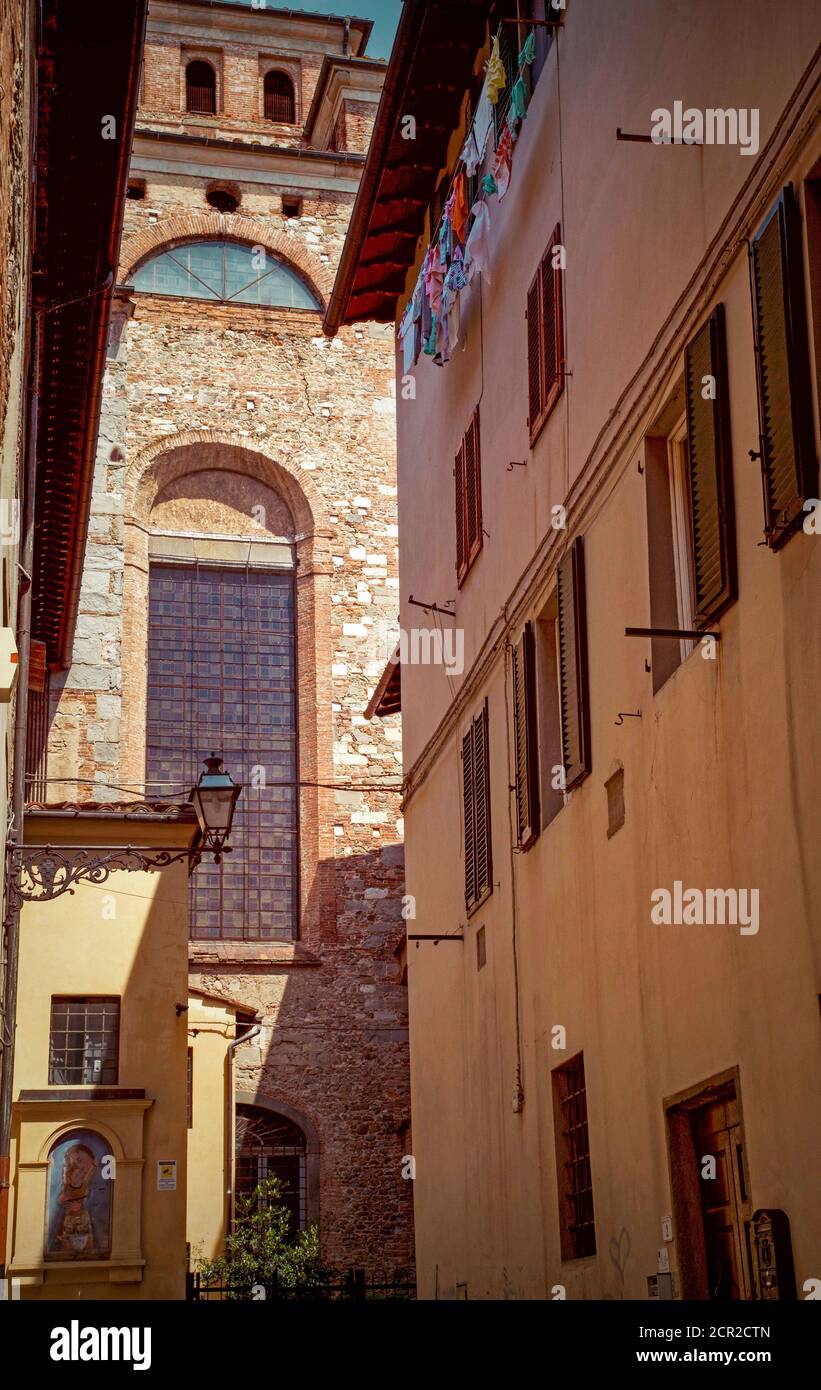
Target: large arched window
[279,99]
[201,88]
[226,271]
[269,1146]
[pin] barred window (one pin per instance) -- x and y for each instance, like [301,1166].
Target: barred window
[221,677]
[201,88]
[578,1229]
[279,99]
[84,1042]
[269,1146]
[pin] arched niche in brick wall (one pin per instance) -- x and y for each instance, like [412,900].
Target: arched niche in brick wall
[207,484]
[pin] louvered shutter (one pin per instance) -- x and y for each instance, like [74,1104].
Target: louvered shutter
[473,488]
[525,736]
[710,474]
[468,470]
[782,363]
[573,681]
[552,333]
[482,802]
[545,340]
[535,370]
[461,548]
[469,816]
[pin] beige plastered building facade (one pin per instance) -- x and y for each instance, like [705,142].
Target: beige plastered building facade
[695,1040]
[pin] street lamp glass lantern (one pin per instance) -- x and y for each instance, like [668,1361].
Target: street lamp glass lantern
[214,799]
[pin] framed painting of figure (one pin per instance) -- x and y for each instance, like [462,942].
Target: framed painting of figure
[79,1195]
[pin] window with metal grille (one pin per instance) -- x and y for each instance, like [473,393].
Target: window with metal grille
[269,1146]
[222,676]
[201,88]
[576,1217]
[279,98]
[227,271]
[84,1042]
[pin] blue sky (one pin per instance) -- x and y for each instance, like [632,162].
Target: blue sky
[384,13]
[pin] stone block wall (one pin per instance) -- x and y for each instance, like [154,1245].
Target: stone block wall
[199,389]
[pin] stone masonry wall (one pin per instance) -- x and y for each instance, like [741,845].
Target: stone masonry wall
[192,385]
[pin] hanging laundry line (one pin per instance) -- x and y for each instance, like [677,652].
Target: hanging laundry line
[459,248]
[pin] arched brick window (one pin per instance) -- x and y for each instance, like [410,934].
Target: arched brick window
[280,102]
[201,88]
[271,1146]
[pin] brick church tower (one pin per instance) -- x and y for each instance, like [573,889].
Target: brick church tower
[240,578]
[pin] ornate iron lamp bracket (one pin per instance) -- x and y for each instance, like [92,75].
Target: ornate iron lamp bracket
[40,873]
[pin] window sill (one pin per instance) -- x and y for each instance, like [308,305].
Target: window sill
[294,953]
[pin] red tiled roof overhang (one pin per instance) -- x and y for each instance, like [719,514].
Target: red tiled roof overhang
[88,70]
[429,72]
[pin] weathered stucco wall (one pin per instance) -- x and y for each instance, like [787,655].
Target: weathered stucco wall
[720,780]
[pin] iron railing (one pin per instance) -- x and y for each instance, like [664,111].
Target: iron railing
[330,1285]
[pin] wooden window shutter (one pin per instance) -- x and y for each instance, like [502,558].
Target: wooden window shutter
[476,809]
[469,814]
[481,768]
[525,737]
[461,547]
[710,470]
[782,364]
[545,340]
[468,470]
[574,695]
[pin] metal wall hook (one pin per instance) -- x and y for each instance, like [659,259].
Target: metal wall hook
[626,714]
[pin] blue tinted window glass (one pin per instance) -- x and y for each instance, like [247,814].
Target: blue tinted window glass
[224,270]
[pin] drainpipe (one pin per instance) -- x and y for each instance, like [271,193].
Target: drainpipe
[15,835]
[231,1156]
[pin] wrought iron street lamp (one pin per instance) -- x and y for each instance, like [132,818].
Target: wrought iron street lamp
[214,799]
[41,872]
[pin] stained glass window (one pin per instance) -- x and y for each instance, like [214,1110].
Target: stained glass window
[227,271]
[221,678]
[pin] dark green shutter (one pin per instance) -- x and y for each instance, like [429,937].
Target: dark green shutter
[710,471]
[782,363]
[526,739]
[573,681]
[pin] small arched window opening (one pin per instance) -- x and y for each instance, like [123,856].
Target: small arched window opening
[269,1146]
[280,102]
[201,88]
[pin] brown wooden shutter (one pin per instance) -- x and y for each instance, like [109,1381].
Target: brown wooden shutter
[461,547]
[788,461]
[710,471]
[573,681]
[484,871]
[545,340]
[468,470]
[469,816]
[534,355]
[525,736]
[476,810]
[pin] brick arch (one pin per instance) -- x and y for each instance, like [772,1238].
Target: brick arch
[234,452]
[173,457]
[228,226]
